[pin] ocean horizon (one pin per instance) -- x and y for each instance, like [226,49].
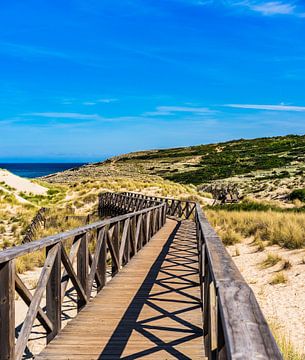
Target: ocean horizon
[35,170]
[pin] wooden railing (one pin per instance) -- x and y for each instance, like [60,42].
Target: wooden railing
[111,204]
[37,223]
[118,239]
[183,209]
[234,325]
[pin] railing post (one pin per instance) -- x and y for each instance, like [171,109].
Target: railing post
[82,268]
[116,245]
[7,310]
[53,295]
[213,321]
[102,260]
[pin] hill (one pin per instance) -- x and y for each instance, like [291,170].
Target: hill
[263,167]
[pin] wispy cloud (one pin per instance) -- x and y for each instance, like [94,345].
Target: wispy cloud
[107,100]
[271,7]
[80,117]
[265,8]
[66,115]
[171,110]
[28,52]
[103,101]
[268,107]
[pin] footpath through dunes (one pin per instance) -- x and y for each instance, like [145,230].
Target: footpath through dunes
[151,309]
[175,292]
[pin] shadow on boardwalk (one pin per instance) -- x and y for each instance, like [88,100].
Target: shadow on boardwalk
[167,292]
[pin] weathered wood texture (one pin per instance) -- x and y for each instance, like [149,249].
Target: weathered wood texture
[90,247]
[146,311]
[122,203]
[234,325]
[151,309]
[37,223]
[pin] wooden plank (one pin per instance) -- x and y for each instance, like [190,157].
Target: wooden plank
[7,310]
[102,262]
[53,295]
[113,253]
[72,257]
[246,330]
[213,317]
[151,309]
[33,308]
[123,240]
[96,257]
[83,270]
[138,230]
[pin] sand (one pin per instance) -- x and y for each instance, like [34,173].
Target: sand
[284,304]
[19,184]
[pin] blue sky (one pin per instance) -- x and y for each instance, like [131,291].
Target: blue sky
[84,79]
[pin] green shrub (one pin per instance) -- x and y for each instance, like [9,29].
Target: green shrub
[298,194]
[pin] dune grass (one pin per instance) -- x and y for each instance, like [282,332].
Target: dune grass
[285,229]
[284,342]
[270,260]
[278,278]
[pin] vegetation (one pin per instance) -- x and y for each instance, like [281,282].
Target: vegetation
[298,194]
[284,343]
[278,278]
[271,260]
[283,228]
[260,167]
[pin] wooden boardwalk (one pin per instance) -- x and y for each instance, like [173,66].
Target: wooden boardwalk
[150,310]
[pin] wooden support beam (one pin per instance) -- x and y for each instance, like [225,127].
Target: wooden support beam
[7,310]
[33,308]
[82,269]
[53,295]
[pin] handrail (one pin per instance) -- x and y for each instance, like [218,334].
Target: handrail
[234,325]
[183,209]
[119,203]
[90,246]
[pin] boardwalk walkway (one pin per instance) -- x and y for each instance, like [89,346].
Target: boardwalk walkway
[150,310]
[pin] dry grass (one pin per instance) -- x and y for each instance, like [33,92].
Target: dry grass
[30,261]
[283,228]
[285,344]
[271,260]
[286,265]
[278,278]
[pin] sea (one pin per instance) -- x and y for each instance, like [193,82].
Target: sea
[34,170]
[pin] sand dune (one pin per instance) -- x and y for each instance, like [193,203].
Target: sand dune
[20,184]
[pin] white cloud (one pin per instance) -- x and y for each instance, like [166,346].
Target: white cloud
[184,109]
[107,101]
[271,7]
[268,107]
[104,101]
[171,110]
[265,8]
[66,115]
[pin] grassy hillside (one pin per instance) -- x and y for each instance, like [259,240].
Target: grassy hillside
[264,167]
